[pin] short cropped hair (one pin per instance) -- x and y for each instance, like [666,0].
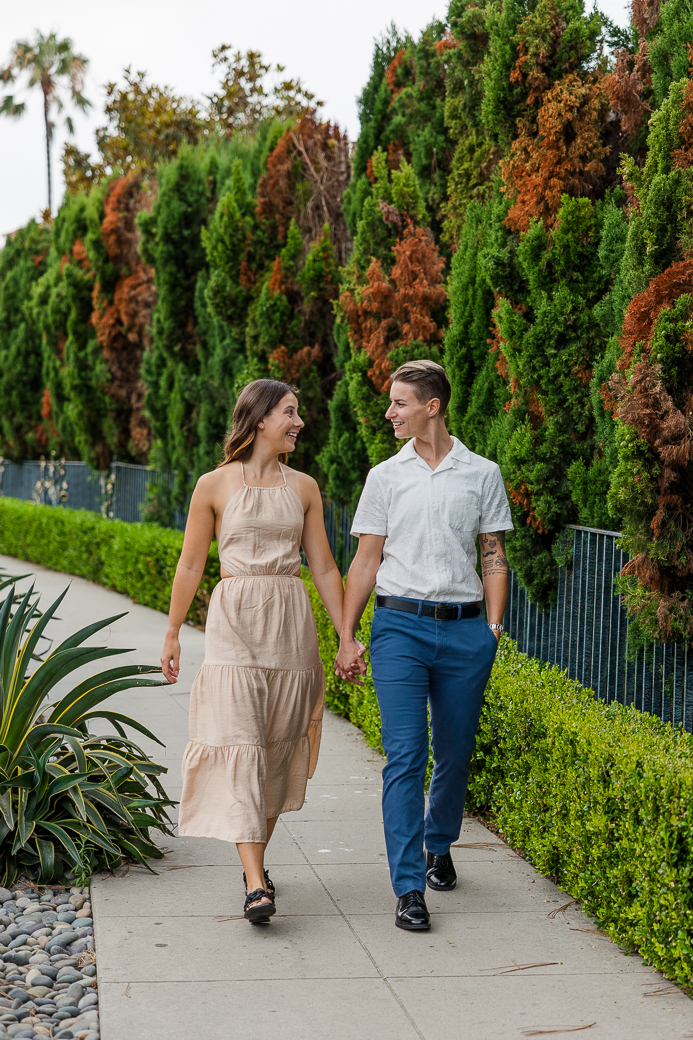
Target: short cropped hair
[427,379]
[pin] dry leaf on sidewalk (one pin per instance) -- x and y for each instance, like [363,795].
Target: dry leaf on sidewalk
[545,1030]
[508,968]
[562,909]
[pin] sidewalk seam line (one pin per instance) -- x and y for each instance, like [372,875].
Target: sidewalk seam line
[356,936]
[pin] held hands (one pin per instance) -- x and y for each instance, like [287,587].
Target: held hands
[170,657]
[349,663]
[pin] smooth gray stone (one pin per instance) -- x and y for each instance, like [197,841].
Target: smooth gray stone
[61,1014]
[67,916]
[16,957]
[76,990]
[65,936]
[19,994]
[5,895]
[69,975]
[83,922]
[90,970]
[64,1034]
[43,980]
[89,1000]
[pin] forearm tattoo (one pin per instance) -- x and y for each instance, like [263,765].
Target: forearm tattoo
[493,558]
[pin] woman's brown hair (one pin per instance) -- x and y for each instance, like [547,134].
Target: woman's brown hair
[255,401]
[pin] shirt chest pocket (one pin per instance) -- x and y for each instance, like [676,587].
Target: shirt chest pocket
[461,510]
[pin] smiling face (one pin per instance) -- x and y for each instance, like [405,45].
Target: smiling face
[281,426]
[409,416]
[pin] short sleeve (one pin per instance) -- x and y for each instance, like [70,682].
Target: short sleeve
[495,508]
[371,512]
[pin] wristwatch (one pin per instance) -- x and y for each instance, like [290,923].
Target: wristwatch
[497,628]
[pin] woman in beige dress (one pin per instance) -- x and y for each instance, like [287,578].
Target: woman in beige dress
[256,703]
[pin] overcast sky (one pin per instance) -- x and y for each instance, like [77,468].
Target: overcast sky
[328,45]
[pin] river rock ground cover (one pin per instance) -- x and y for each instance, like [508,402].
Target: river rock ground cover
[48,969]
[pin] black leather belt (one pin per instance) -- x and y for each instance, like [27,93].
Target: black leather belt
[439,611]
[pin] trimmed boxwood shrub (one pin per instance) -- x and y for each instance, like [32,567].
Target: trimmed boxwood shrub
[136,559]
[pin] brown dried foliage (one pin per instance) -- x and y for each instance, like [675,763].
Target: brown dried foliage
[523,499]
[123,323]
[537,46]
[643,310]
[295,365]
[642,401]
[645,15]
[317,154]
[398,310]
[563,153]
[448,43]
[646,406]
[626,85]
[391,73]
[48,424]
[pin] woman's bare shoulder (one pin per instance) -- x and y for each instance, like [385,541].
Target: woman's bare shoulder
[301,480]
[218,482]
[305,486]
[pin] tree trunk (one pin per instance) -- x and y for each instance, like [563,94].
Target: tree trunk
[48,151]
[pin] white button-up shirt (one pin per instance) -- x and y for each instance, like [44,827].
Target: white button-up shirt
[431,520]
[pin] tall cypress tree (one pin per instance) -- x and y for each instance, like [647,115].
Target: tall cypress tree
[23,261]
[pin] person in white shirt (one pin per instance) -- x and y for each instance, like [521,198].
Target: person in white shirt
[417,521]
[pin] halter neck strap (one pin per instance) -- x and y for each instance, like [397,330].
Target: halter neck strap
[259,487]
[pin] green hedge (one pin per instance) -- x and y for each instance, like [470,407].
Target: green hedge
[136,559]
[598,796]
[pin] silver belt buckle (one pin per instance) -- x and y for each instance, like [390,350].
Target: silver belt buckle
[439,607]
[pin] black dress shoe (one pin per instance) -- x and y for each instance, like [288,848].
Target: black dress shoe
[412,913]
[440,872]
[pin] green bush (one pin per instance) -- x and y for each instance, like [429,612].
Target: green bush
[598,796]
[136,559]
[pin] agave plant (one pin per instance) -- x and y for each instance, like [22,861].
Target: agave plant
[66,793]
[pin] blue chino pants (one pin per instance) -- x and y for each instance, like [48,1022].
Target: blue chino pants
[419,662]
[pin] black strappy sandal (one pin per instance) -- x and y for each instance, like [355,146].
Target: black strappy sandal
[261,913]
[269,884]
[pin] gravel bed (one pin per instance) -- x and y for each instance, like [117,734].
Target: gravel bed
[48,967]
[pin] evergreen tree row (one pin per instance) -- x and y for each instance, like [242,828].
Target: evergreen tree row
[517,206]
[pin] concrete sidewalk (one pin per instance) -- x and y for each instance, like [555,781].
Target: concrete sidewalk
[506,957]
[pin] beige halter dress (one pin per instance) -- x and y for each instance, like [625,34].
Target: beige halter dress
[256,704]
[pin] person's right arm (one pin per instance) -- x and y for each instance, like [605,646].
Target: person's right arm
[349,663]
[199,531]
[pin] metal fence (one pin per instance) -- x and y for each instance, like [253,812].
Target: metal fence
[585,633]
[121,493]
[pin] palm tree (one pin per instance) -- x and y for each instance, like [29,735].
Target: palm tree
[51,64]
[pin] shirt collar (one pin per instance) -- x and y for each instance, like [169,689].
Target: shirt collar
[459,452]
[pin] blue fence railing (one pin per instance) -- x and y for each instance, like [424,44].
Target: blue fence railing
[585,633]
[121,493]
